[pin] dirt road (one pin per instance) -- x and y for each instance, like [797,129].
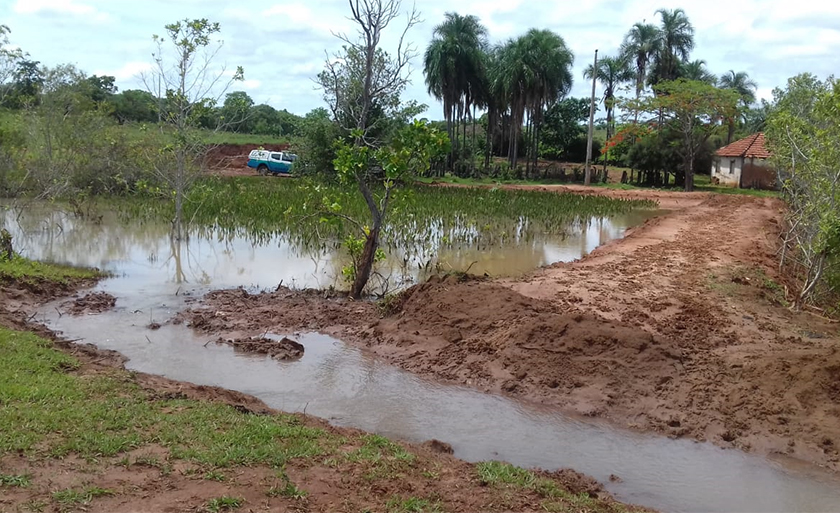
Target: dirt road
[679,328]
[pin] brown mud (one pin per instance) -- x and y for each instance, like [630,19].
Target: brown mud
[680,328]
[284,349]
[90,303]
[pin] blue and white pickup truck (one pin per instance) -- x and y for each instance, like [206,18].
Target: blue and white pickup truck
[271,162]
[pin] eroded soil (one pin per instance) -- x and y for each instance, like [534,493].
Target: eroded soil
[679,328]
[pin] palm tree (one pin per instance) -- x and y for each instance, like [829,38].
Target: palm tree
[454,68]
[676,40]
[741,83]
[641,45]
[696,70]
[612,72]
[534,71]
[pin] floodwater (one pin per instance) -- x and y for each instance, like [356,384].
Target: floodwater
[153,278]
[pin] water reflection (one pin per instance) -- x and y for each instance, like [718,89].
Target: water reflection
[210,258]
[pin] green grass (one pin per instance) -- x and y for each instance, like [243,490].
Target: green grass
[505,476]
[71,497]
[412,505]
[48,412]
[224,504]
[15,480]
[288,489]
[23,269]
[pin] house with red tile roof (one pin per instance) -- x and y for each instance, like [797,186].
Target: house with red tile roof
[744,164]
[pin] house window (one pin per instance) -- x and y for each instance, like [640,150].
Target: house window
[732,166]
[717,166]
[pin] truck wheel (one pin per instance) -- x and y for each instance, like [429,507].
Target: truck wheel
[262,170]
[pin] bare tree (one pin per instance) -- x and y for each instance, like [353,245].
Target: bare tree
[9,58]
[366,76]
[187,83]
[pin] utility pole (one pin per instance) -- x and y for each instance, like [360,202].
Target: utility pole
[588,174]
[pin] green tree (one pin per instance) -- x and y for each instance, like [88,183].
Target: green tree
[317,143]
[676,36]
[135,105]
[236,112]
[693,109]
[534,71]
[742,84]
[612,73]
[802,134]
[563,128]
[640,47]
[186,76]
[454,66]
[368,78]
[697,70]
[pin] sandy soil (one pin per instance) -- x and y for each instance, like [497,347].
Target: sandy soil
[174,485]
[677,328]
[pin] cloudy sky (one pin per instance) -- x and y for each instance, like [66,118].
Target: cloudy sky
[282,44]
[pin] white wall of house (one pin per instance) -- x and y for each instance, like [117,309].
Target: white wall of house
[727,170]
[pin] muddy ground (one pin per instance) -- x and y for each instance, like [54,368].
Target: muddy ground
[149,479]
[680,328]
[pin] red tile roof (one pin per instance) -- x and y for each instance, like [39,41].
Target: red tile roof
[750,147]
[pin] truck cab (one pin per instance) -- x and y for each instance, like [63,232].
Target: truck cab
[271,162]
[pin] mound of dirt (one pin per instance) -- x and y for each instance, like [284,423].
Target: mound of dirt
[91,303]
[486,335]
[237,311]
[284,349]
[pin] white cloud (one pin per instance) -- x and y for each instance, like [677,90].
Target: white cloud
[129,71]
[250,85]
[60,7]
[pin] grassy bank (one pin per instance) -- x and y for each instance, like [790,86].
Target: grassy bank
[23,270]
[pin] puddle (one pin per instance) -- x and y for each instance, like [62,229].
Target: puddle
[351,388]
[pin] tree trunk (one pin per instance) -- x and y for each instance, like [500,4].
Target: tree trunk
[689,175]
[366,262]
[731,131]
[488,136]
[472,152]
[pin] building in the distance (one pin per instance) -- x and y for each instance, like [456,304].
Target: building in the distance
[744,164]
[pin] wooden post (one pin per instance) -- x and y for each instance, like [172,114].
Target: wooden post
[588,173]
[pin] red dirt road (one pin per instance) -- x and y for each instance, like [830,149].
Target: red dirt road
[675,329]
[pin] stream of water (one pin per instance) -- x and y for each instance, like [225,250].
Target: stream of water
[351,388]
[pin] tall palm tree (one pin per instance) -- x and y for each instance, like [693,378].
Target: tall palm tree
[535,70]
[741,83]
[676,37]
[641,45]
[696,70]
[454,68]
[611,73]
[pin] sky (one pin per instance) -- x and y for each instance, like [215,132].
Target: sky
[282,45]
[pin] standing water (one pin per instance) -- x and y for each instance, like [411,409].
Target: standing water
[351,388]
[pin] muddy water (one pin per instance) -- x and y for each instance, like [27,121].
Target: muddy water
[154,279]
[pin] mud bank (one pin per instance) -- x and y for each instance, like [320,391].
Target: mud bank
[659,332]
